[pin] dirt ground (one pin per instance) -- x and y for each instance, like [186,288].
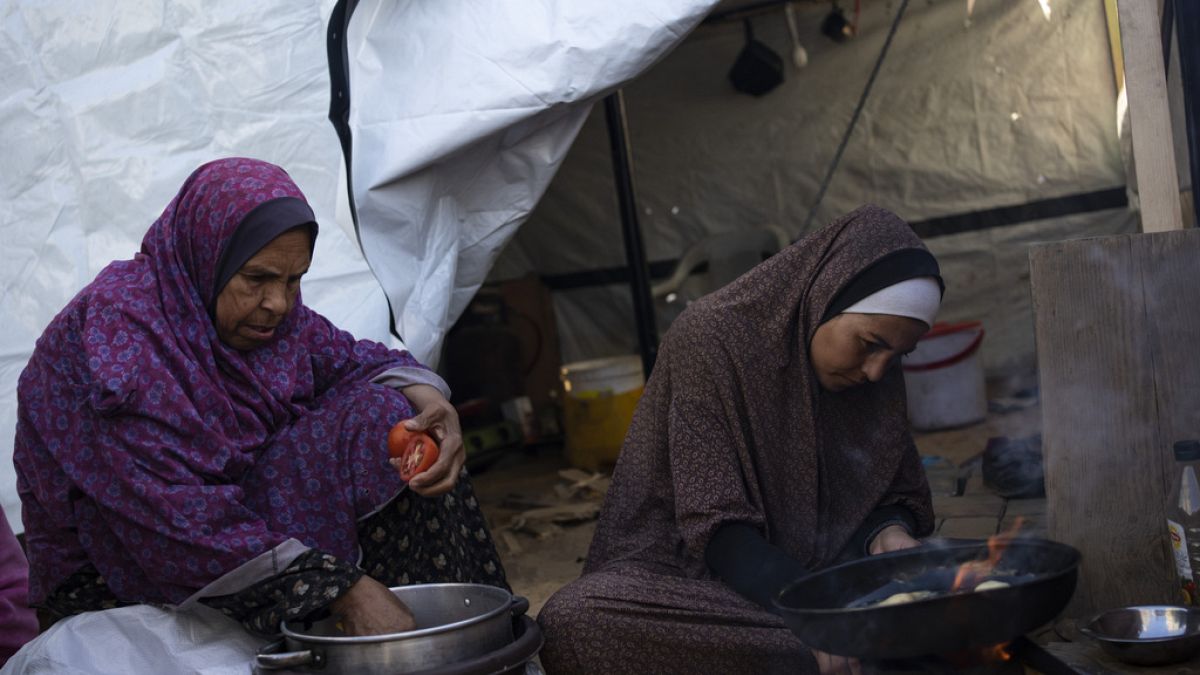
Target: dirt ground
[538,565]
[542,554]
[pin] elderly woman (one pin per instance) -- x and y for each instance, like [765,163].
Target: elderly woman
[772,440]
[190,432]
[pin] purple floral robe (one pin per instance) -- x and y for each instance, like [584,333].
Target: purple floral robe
[148,448]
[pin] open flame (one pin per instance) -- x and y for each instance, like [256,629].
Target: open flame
[972,572]
[997,653]
[973,659]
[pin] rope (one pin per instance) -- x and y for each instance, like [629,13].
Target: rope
[812,212]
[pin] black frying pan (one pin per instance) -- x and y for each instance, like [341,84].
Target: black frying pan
[832,610]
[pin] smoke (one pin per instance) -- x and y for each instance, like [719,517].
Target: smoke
[1013,468]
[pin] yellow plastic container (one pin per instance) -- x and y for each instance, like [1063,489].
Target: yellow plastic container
[600,397]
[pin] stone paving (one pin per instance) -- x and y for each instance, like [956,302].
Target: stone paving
[965,507]
[978,513]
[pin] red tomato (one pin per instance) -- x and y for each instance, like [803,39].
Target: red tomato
[416,450]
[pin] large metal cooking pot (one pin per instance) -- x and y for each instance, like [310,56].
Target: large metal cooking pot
[456,622]
[835,610]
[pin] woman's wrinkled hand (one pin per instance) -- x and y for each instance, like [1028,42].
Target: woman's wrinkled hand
[370,608]
[439,419]
[892,538]
[837,665]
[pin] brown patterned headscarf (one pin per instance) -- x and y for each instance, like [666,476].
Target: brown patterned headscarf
[734,426]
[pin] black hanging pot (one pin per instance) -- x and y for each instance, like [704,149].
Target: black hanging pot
[758,68]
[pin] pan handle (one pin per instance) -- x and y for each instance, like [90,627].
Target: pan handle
[520,605]
[272,658]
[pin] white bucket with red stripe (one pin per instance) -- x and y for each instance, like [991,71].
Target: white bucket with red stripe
[944,377]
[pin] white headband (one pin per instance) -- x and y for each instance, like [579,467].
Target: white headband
[917,298]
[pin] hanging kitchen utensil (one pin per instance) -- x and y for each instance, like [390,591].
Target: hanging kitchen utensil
[758,69]
[836,27]
[799,53]
[834,610]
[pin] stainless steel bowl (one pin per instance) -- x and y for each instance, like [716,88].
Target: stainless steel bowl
[1147,635]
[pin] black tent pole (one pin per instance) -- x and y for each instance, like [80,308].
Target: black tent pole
[1187,32]
[635,251]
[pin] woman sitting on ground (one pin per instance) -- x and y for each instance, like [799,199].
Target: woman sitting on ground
[771,441]
[190,432]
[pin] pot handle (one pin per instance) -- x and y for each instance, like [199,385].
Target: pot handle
[520,605]
[271,658]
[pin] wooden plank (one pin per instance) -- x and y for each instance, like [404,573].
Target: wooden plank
[1089,356]
[1149,115]
[1025,507]
[1170,278]
[971,527]
[1086,656]
[1114,42]
[977,505]
[943,481]
[1115,324]
[1034,526]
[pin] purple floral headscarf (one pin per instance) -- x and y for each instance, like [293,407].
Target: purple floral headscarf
[136,422]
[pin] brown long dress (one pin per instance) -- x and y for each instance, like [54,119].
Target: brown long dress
[734,427]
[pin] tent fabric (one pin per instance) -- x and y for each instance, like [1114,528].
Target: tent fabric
[108,107]
[456,133]
[967,113]
[115,103]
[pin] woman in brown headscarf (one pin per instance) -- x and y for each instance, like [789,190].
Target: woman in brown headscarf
[772,440]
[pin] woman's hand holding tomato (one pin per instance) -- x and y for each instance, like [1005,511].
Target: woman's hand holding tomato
[437,418]
[411,452]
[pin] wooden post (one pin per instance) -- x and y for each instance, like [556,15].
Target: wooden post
[1149,114]
[1117,322]
[1114,42]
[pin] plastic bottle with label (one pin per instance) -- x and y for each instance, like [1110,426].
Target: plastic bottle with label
[1183,518]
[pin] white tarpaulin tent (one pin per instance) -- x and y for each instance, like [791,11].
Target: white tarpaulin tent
[457,132]
[108,106]
[461,112]
[1006,107]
